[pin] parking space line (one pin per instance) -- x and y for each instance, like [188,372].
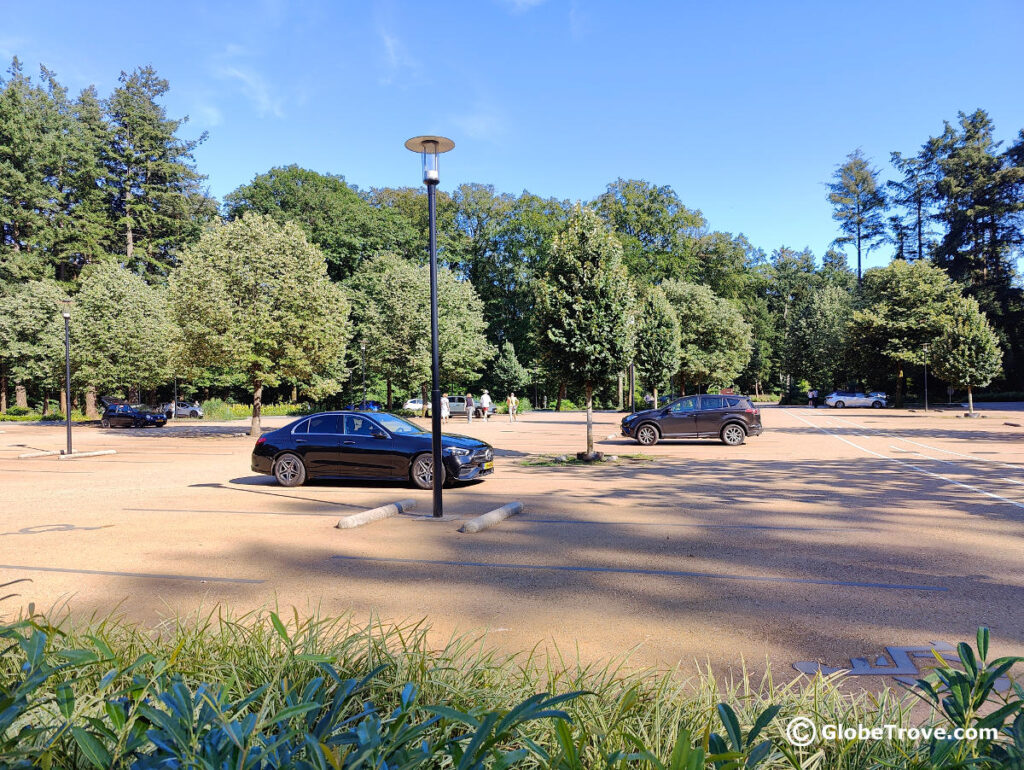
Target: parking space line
[645,572]
[911,465]
[148,575]
[697,526]
[215,510]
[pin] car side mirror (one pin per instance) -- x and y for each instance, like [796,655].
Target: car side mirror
[665,412]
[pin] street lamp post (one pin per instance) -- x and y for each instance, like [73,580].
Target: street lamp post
[927,347]
[362,345]
[429,147]
[67,367]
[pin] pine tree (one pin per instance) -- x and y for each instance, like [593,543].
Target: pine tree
[859,206]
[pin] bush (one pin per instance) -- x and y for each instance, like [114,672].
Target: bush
[767,398]
[254,692]
[18,411]
[567,405]
[524,406]
[219,410]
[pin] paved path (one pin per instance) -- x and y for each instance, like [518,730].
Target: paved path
[831,536]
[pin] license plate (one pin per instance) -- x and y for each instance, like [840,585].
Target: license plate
[489,466]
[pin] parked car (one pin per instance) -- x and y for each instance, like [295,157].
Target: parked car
[457,405]
[413,405]
[181,409]
[132,416]
[728,418]
[354,445]
[840,399]
[366,406]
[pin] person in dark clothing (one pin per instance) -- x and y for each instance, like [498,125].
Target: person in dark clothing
[470,407]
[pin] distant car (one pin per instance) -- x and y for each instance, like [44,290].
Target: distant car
[355,445]
[131,416]
[457,405]
[366,406]
[413,405]
[181,409]
[840,399]
[728,418]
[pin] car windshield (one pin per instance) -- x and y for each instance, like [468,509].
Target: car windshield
[143,408]
[397,424]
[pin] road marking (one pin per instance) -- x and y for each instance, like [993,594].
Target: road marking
[149,575]
[699,526]
[1013,481]
[247,513]
[911,465]
[652,572]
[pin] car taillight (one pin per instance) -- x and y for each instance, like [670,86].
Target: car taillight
[260,440]
[750,410]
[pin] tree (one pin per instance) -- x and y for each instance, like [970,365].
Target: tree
[253,297]
[334,217]
[31,337]
[967,354]
[506,373]
[653,226]
[657,341]
[818,338]
[121,333]
[715,341]
[155,190]
[903,306]
[915,192]
[584,306]
[858,205]
[391,311]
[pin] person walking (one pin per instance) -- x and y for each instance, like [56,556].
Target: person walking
[446,408]
[485,403]
[513,407]
[470,406]
[811,395]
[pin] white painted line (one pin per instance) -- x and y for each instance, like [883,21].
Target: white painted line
[375,514]
[911,465]
[44,453]
[491,518]
[76,455]
[1013,481]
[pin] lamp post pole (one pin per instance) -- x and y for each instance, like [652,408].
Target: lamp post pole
[927,347]
[362,345]
[67,368]
[429,148]
[632,387]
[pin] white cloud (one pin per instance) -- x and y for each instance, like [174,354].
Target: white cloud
[521,6]
[208,115]
[255,89]
[398,62]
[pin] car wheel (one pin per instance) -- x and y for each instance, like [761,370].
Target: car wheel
[840,404]
[876,404]
[733,435]
[104,423]
[168,415]
[289,470]
[647,435]
[193,413]
[422,471]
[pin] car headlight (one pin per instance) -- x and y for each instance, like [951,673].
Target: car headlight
[456,451]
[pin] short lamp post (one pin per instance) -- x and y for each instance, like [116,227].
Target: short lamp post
[926,347]
[429,147]
[66,312]
[362,346]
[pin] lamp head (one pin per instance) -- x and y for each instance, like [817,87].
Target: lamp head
[429,148]
[66,307]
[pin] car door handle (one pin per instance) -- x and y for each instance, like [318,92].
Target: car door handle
[301,440]
[348,442]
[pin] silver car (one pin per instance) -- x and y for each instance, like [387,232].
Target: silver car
[840,399]
[181,409]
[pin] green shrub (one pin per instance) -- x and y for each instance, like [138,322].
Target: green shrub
[219,410]
[567,405]
[767,398]
[18,411]
[524,406]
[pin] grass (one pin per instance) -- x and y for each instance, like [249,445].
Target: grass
[215,409]
[111,666]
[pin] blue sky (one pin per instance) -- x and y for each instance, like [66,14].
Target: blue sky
[745,108]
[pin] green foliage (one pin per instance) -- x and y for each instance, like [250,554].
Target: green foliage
[332,215]
[18,411]
[32,333]
[121,331]
[859,205]
[218,410]
[715,341]
[505,373]
[818,337]
[524,406]
[967,355]
[253,298]
[657,341]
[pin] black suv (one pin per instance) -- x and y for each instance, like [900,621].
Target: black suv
[131,416]
[726,417]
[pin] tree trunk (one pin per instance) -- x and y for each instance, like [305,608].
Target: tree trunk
[46,401]
[590,420]
[561,395]
[970,400]
[295,393]
[63,402]
[388,405]
[3,390]
[620,391]
[20,396]
[423,398]
[257,408]
[90,404]
[655,394]
[900,388]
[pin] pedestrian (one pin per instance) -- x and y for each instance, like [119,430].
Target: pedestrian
[513,407]
[446,408]
[485,403]
[649,400]
[470,406]
[811,394]
[814,401]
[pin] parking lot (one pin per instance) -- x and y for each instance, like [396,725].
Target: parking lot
[830,537]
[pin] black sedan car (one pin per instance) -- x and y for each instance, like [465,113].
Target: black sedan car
[728,418]
[357,445]
[131,416]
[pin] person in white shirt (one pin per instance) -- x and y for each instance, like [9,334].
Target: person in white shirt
[446,408]
[485,403]
[513,407]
